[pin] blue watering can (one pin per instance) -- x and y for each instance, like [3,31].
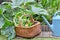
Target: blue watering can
[55,26]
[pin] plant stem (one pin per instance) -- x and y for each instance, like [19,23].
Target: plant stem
[6,18]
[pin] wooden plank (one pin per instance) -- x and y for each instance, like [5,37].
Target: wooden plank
[44,35]
[45,28]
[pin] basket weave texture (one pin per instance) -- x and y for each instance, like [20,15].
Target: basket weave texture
[28,32]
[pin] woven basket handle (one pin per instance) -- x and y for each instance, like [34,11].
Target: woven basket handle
[30,16]
[31,19]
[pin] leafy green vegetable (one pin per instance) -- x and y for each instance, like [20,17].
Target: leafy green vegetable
[8,30]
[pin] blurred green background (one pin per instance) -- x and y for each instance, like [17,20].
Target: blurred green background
[50,5]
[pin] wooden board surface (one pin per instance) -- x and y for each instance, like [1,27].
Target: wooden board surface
[45,35]
[42,36]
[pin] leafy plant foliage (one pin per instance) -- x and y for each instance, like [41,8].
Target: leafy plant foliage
[11,14]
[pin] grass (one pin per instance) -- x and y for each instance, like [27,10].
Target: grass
[40,39]
[4,38]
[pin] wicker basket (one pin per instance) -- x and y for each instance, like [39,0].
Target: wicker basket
[28,32]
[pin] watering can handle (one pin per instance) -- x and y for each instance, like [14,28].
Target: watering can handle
[58,12]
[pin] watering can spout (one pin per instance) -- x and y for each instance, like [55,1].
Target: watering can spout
[50,26]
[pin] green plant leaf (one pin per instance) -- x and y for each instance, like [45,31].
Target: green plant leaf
[1,11]
[1,21]
[1,18]
[8,30]
[6,5]
[25,1]
[17,2]
[39,11]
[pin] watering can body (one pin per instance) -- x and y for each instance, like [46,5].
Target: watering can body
[55,26]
